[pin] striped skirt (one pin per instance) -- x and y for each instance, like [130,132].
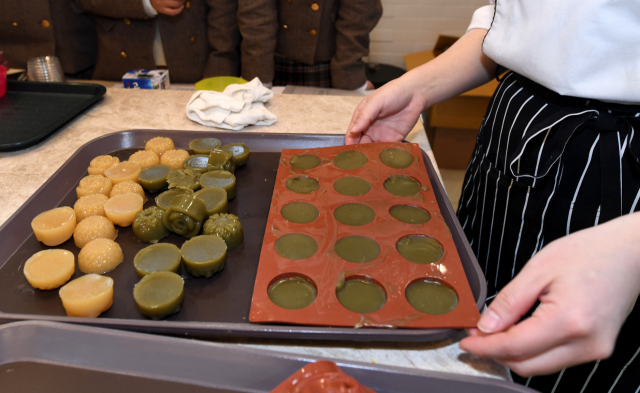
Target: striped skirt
[545,166]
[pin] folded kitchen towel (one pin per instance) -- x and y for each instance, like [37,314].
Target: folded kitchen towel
[233,109]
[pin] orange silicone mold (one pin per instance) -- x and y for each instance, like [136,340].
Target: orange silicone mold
[327,270]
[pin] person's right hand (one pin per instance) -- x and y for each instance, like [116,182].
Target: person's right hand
[387,114]
[168,7]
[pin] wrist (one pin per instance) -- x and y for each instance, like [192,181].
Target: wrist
[420,87]
[622,237]
[148,7]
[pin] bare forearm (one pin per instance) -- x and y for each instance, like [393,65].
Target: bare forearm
[388,114]
[461,68]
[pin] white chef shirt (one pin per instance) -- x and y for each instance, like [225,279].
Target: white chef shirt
[580,48]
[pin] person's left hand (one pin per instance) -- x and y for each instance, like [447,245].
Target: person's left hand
[586,282]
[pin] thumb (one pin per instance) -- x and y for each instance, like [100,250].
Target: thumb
[515,300]
[366,113]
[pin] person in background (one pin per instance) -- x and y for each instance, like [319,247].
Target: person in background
[152,34]
[550,198]
[237,31]
[321,43]
[59,28]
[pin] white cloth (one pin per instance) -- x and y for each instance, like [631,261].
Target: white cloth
[233,109]
[580,48]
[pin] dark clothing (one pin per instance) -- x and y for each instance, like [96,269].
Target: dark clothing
[242,38]
[289,72]
[546,166]
[329,31]
[126,34]
[37,28]
[258,23]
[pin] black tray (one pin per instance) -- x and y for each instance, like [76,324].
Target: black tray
[53,357]
[218,306]
[31,111]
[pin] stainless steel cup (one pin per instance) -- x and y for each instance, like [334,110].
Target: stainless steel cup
[45,69]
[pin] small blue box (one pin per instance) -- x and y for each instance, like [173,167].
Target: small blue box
[146,79]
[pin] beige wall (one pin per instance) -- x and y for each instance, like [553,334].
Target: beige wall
[413,25]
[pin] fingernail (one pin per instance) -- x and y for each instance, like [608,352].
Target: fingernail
[352,127]
[489,322]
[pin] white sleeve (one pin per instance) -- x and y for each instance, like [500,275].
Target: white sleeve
[363,87]
[149,8]
[483,17]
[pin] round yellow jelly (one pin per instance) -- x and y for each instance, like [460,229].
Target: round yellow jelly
[54,226]
[94,184]
[159,145]
[174,158]
[145,158]
[98,165]
[127,170]
[87,296]
[122,209]
[100,256]
[49,269]
[90,205]
[93,227]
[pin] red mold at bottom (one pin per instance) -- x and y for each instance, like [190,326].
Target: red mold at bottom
[321,377]
[389,268]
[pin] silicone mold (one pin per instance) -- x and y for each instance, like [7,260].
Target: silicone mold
[327,271]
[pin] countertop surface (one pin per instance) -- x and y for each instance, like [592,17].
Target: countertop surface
[23,172]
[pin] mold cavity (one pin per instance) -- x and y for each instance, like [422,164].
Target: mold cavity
[400,185]
[431,296]
[396,158]
[292,291]
[302,184]
[361,294]
[351,159]
[354,214]
[420,249]
[409,214]
[352,186]
[299,212]
[358,249]
[296,246]
[304,161]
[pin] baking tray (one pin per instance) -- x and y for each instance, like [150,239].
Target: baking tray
[54,357]
[31,111]
[218,306]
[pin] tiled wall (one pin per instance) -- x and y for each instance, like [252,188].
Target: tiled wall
[413,25]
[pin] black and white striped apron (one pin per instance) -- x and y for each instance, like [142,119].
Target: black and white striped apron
[545,166]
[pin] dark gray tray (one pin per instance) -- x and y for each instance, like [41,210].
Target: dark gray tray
[218,306]
[53,357]
[31,111]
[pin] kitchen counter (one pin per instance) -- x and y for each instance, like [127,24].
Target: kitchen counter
[23,172]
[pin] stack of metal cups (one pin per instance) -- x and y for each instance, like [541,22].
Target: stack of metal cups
[45,69]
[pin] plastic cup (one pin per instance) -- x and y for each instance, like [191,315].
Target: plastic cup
[45,69]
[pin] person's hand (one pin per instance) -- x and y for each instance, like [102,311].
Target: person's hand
[168,7]
[587,284]
[369,86]
[387,114]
